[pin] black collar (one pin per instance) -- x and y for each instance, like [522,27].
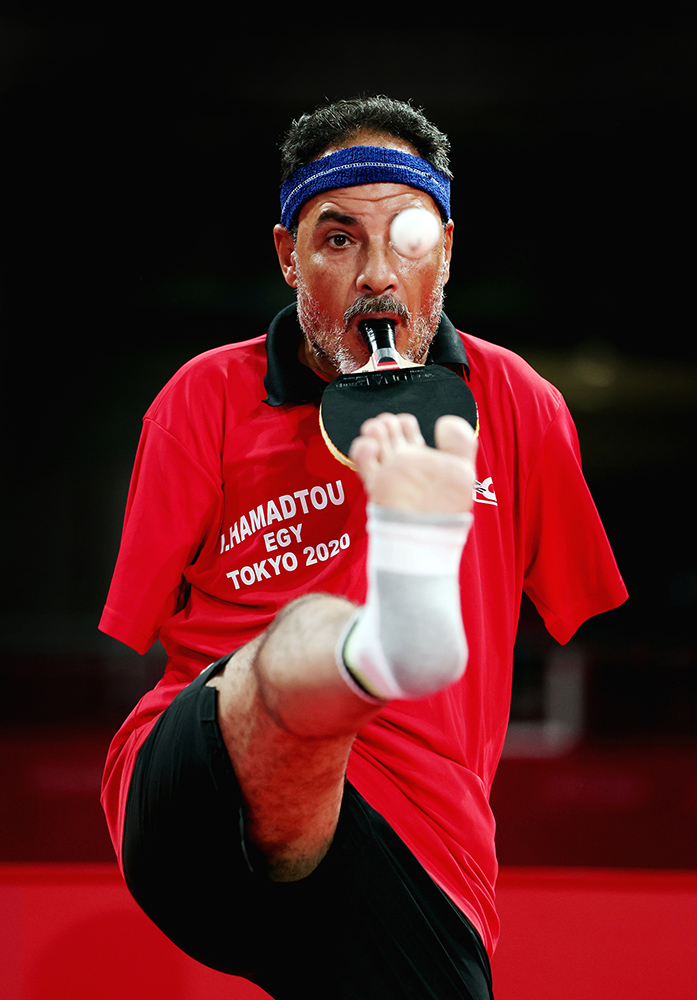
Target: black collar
[287,380]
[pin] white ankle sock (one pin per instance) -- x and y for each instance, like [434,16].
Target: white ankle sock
[407,641]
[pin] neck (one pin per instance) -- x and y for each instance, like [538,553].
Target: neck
[311,358]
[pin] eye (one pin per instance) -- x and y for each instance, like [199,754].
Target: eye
[338,240]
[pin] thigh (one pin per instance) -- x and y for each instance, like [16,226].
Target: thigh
[385,930]
[368,924]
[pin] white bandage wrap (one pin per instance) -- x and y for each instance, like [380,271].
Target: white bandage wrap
[407,641]
[418,544]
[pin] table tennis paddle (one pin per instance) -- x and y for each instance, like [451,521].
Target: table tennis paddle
[389,383]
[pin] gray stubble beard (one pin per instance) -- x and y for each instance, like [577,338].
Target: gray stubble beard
[328,339]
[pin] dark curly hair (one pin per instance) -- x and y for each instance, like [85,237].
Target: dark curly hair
[334,123]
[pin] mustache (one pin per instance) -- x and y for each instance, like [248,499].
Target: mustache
[369,304]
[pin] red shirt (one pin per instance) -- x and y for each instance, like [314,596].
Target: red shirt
[237,507]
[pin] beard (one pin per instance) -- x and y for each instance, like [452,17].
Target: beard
[328,338]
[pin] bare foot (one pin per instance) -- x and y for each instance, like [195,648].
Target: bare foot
[400,471]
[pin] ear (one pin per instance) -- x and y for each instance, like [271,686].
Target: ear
[449,229]
[285,248]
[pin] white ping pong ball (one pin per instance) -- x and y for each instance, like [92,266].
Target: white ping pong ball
[414,232]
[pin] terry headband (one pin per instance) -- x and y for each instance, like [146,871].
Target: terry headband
[362,165]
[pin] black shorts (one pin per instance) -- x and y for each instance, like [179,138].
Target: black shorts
[368,924]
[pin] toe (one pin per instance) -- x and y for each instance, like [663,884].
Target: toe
[365,454]
[410,429]
[456,436]
[386,430]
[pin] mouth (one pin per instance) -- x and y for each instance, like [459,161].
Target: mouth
[365,328]
[390,317]
[379,334]
[377,307]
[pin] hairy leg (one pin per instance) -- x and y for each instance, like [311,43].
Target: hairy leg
[288,721]
[287,715]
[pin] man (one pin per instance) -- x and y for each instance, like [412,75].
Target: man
[312,811]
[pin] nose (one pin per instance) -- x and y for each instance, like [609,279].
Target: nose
[377,274]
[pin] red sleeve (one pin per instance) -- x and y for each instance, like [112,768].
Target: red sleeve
[571,574]
[172,502]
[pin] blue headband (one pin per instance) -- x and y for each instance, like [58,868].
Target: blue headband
[362,165]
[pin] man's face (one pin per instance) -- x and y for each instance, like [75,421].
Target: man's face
[345,269]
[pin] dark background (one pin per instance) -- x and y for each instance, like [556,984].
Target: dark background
[141,180]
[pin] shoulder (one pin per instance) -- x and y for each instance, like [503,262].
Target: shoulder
[211,378]
[502,381]
[496,364]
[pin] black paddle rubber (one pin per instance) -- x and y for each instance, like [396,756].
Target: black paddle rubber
[428,391]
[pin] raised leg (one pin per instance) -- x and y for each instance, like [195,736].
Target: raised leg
[287,714]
